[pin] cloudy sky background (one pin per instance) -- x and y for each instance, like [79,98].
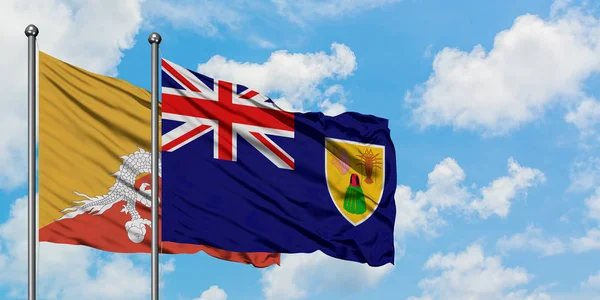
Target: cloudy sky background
[493,112]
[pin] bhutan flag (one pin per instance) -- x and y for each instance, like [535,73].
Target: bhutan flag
[94,165]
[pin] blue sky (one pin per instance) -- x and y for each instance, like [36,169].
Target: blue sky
[492,108]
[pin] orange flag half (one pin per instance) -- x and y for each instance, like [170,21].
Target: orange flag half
[94,165]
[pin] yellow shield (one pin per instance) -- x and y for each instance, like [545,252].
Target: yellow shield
[355,175]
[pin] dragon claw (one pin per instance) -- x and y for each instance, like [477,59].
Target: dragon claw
[145,190]
[136,229]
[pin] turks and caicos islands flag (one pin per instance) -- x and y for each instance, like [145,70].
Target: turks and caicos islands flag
[241,174]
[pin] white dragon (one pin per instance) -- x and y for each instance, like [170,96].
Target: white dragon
[123,190]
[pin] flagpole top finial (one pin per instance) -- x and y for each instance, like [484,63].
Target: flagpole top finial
[154,38]
[31,30]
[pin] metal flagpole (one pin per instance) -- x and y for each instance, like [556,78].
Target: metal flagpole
[154,40]
[31,32]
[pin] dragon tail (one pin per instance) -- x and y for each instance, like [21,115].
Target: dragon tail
[97,205]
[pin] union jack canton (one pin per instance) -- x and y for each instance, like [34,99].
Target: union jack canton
[202,105]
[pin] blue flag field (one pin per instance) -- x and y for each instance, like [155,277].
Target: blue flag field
[240,174]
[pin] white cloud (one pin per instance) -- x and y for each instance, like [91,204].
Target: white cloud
[415,214]
[532,239]
[261,42]
[209,18]
[538,294]
[117,278]
[443,184]
[75,31]
[559,6]
[592,282]
[331,109]
[420,212]
[498,195]
[589,242]
[427,53]
[446,191]
[296,77]
[67,30]
[200,16]
[301,11]
[532,66]
[472,275]
[333,105]
[585,175]
[299,274]
[66,271]
[592,204]
[213,293]
[213,18]
[168,266]
[585,117]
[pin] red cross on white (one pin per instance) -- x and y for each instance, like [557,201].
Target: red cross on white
[226,113]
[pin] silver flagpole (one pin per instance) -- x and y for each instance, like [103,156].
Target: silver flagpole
[31,32]
[154,40]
